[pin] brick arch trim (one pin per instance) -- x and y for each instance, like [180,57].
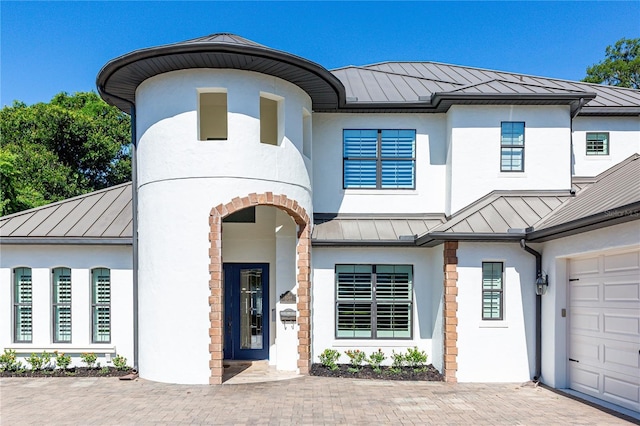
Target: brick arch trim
[303,277]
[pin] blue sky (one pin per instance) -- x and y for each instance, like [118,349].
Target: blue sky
[49,47]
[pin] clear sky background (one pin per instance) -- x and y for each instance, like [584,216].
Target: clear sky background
[49,47]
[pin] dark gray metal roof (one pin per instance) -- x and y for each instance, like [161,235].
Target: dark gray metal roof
[614,197]
[118,80]
[409,82]
[101,217]
[363,230]
[499,213]
[383,87]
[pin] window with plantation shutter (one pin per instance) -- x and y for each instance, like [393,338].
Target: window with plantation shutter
[22,306]
[62,305]
[101,305]
[383,159]
[374,301]
[492,291]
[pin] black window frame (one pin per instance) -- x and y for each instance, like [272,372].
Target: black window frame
[499,291]
[96,305]
[56,305]
[379,160]
[374,303]
[512,146]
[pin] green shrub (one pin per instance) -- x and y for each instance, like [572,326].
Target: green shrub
[8,361]
[120,362]
[329,358]
[398,360]
[62,360]
[89,358]
[357,358]
[415,358]
[36,361]
[375,359]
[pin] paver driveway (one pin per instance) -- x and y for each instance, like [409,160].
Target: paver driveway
[304,400]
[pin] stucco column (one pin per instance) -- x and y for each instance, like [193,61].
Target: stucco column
[450,311]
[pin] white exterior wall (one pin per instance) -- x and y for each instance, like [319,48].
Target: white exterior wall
[180,180]
[427,300]
[329,195]
[624,140]
[475,150]
[496,351]
[81,260]
[555,256]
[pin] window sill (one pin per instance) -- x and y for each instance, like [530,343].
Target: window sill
[63,347]
[374,191]
[512,175]
[597,157]
[493,324]
[372,343]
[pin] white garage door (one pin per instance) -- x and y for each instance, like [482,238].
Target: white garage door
[604,327]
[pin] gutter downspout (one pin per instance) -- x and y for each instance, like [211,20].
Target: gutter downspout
[134,206]
[574,113]
[538,372]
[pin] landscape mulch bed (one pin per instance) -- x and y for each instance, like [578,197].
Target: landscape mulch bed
[70,372]
[427,373]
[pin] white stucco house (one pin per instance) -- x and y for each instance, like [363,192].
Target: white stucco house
[278,209]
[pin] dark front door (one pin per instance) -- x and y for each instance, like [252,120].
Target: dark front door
[246,294]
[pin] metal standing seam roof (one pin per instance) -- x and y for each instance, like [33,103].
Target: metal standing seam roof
[371,230]
[413,80]
[382,87]
[498,215]
[614,197]
[100,217]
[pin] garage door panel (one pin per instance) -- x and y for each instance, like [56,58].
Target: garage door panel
[622,262]
[622,325]
[585,292]
[585,350]
[585,379]
[584,321]
[584,266]
[622,357]
[621,390]
[624,291]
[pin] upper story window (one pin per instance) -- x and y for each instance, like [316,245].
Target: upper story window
[212,118]
[512,146]
[598,143]
[492,291]
[22,305]
[374,301]
[270,119]
[61,305]
[101,305]
[379,159]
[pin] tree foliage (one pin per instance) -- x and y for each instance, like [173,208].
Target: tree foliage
[621,66]
[51,151]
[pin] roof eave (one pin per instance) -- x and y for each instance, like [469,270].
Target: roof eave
[623,214]
[363,243]
[114,65]
[115,241]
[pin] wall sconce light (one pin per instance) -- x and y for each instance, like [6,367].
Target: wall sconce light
[542,283]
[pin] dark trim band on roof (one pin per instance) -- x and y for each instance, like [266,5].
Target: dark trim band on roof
[67,241]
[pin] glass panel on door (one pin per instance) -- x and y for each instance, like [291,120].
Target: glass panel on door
[251,309]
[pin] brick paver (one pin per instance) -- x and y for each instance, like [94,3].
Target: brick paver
[304,400]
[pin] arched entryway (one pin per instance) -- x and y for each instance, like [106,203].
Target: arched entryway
[303,277]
